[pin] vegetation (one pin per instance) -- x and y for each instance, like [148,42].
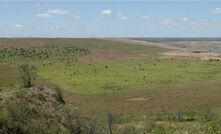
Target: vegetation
[105,86]
[46,52]
[95,77]
[37,111]
[59,96]
[29,73]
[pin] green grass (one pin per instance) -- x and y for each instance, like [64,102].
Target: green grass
[9,76]
[16,51]
[106,84]
[113,75]
[156,85]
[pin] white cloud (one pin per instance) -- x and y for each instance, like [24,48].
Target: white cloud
[119,15]
[57,12]
[18,26]
[122,16]
[184,19]
[217,10]
[44,15]
[106,12]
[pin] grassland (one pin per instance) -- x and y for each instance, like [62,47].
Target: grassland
[127,79]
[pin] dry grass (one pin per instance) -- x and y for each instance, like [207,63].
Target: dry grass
[175,97]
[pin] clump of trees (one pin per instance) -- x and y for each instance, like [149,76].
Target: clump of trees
[45,52]
[28,74]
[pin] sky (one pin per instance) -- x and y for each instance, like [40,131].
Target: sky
[107,18]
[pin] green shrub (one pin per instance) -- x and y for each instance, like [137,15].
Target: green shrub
[59,95]
[28,74]
[212,127]
[26,113]
[22,118]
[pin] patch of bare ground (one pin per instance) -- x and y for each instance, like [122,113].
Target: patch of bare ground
[209,46]
[139,99]
[182,49]
[194,54]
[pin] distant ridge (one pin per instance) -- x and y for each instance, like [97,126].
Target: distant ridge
[171,39]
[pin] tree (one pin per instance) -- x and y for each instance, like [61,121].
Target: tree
[28,74]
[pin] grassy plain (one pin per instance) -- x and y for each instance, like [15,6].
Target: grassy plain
[103,75]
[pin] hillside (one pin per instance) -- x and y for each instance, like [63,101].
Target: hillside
[40,110]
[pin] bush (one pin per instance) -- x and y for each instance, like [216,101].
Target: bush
[27,113]
[212,127]
[59,95]
[28,74]
[22,118]
[77,123]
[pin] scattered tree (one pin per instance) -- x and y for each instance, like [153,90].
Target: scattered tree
[28,74]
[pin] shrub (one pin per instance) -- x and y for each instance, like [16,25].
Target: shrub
[77,123]
[59,95]
[20,117]
[212,127]
[28,74]
[26,113]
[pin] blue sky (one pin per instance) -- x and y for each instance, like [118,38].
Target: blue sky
[110,18]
